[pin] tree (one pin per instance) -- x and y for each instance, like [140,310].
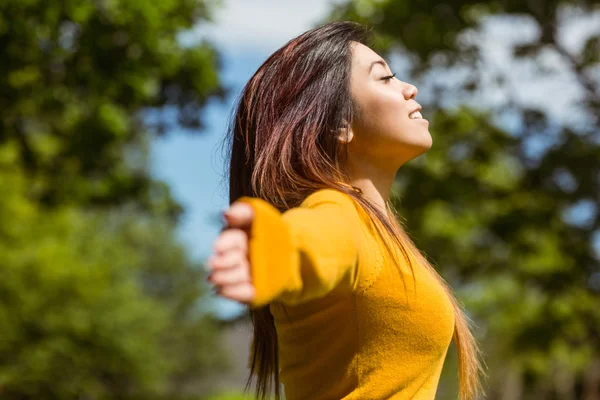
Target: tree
[98,299]
[505,202]
[76,81]
[95,303]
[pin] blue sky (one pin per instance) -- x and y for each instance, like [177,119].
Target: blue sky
[194,166]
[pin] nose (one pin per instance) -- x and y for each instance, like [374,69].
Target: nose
[410,91]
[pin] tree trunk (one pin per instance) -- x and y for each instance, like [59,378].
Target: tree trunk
[591,381]
[513,384]
[564,383]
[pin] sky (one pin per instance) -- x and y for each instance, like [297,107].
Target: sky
[246,33]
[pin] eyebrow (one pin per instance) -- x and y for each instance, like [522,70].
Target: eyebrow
[381,62]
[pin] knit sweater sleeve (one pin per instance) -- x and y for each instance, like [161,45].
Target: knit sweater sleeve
[305,252]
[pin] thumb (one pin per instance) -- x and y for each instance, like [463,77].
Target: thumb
[239,215]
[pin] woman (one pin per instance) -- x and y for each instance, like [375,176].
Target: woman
[312,244]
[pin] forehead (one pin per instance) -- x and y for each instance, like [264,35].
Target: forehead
[363,56]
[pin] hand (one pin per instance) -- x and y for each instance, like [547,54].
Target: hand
[229,265]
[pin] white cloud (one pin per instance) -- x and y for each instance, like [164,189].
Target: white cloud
[260,25]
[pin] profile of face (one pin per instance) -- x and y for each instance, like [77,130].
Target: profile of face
[386,131]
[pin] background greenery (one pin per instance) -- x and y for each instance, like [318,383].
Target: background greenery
[99,300]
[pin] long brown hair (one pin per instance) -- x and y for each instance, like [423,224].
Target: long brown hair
[282,148]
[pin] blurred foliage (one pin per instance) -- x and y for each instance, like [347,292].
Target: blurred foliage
[513,230]
[75,79]
[102,304]
[98,298]
[230,396]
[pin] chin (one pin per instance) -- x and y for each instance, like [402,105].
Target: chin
[423,144]
[428,142]
[416,149]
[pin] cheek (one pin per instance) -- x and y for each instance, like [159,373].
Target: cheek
[387,114]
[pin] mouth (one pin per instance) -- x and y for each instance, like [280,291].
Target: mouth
[416,113]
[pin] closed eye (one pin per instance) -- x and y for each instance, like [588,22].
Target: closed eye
[388,78]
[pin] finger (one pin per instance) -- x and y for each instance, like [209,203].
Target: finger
[230,276]
[228,260]
[231,239]
[239,215]
[241,292]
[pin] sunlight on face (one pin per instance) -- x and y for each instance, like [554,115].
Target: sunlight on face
[383,131]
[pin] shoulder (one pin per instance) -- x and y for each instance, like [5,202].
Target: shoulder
[329,195]
[356,222]
[349,205]
[344,202]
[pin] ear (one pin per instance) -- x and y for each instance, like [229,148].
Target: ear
[345,134]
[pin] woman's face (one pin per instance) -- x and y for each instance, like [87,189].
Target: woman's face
[384,129]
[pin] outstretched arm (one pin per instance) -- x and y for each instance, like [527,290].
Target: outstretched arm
[305,252]
[292,257]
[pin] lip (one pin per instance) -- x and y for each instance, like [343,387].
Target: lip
[419,108]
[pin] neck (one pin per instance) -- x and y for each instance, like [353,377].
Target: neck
[374,181]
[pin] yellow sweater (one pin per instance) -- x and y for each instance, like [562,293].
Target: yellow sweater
[347,327]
